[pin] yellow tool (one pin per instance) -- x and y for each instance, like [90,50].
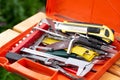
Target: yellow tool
[80,51]
[99,31]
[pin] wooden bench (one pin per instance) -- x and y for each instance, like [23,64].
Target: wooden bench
[113,73]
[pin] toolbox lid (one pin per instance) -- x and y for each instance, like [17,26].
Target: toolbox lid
[105,12]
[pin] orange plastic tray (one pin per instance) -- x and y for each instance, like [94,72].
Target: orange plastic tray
[12,67]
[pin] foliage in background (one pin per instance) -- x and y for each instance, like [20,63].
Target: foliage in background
[15,11]
[11,13]
[5,75]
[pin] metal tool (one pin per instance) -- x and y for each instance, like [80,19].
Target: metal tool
[100,52]
[91,39]
[51,23]
[86,42]
[101,31]
[86,27]
[80,63]
[37,43]
[43,48]
[55,64]
[70,45]
[85,67]
[102,47]
[34,52]
[59,45]
[49,32]
[77,50]
[65,73]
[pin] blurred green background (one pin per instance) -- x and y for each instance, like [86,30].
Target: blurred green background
[11,13]
[15,11]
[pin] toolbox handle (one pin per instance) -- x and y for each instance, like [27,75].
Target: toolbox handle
[33,70]
[3,61]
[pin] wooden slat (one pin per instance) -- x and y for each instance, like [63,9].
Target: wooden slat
[115,70]
[109,76]
[118,62]
[24,25]
[6,36]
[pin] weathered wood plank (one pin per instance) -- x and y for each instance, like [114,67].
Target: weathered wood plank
[109,76]
[118,62]
[115,70]
[26,24]
[6,36]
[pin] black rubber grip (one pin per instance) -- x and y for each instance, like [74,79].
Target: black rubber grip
[93,30]
[86,42]
[13,56]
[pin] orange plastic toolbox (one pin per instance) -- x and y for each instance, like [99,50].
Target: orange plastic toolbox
[92,11]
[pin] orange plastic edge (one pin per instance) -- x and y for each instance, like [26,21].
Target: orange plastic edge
[33,70]
[8,46]
[3,61]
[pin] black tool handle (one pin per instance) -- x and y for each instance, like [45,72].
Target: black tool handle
[96,41]
[13,56]
[85,41]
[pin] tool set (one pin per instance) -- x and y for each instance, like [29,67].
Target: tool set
[72,54]
[68,44]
